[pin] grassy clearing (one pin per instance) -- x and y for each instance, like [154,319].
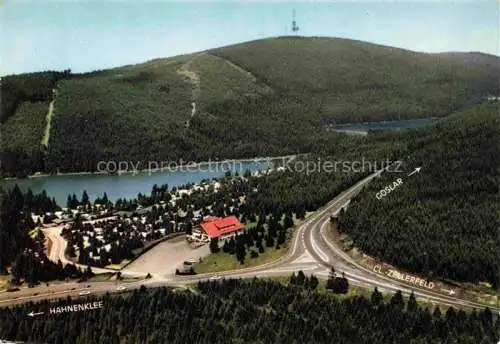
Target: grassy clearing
[104,277]
[4,281]
[111,276]
[218,262]
[117,266]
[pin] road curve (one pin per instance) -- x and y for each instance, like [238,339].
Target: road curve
[309,251]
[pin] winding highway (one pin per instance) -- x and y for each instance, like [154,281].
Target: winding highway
[311,251]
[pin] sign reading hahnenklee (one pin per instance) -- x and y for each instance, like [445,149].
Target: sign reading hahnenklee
[77,307]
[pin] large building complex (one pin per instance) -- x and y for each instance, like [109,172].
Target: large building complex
[221,228]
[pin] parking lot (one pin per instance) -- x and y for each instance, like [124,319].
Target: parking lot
[167,256]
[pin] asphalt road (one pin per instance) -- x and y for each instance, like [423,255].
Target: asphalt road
[310,252]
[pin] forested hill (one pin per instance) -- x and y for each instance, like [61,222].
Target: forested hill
[442,222]
[267,97]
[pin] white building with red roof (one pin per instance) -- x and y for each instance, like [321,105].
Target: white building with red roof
[222,228]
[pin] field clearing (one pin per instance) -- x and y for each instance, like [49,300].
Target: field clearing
[104,277]
[221,261]
[4,281]
[117,266]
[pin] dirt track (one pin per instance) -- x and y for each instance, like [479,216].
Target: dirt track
[56,245]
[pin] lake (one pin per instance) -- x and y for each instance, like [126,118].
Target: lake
[129,185]
[363,128]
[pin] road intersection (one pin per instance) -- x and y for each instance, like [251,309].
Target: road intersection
[311,251]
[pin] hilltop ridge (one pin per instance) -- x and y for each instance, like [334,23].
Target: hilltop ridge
[267,97]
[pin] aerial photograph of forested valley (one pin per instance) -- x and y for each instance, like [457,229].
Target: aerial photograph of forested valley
[250,172]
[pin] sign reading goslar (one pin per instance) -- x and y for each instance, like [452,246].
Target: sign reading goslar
[392,273]
[87,306]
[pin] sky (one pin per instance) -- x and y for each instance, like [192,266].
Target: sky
[88,35]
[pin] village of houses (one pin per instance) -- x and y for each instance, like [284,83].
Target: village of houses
[160,238]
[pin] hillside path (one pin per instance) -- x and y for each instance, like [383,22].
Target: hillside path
[194,79]
[50,114]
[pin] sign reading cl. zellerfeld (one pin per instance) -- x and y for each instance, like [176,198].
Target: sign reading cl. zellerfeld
[412,279]
[392,273]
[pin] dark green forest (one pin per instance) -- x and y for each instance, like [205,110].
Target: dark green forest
[352,81]
[443,221]
[16,221]
[22,254]
[261,98]
[25,99]
[33,87]
[256,311]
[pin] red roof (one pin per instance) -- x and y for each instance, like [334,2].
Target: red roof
[223,226]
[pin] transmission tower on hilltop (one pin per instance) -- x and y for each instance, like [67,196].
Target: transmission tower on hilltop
[295,28]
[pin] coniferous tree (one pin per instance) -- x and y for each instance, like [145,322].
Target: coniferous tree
[214,245]
[85,198]
[302,316]
[331,279]
[240,249]
[300,277]
[412,303]
[397,300]
[376,297]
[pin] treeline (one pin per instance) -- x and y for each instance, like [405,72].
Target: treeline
[442,222]
[32,91]
[32,87]
[256,311]
[16,222]
[20,163]
[32,266]
[279,104]
[21,254]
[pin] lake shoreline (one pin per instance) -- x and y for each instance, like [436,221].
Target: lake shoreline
[350,132]
[39,175]
[388,121]
[364,128]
